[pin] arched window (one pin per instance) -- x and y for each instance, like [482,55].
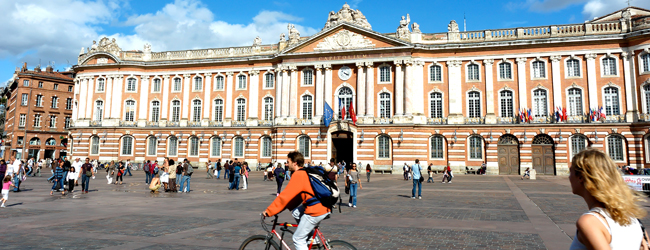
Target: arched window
[436,105]
[100,85]
[437,147]
[152,146]
[218,110]
[615,147]
[94,145]
[215,146]
[303,145]
[99,110]
[241,109]
[506,103]
[239,146]
[35,141]
[127,145]
[383,147]
[609,66]
[196,110]
[129,108]
[307,105]
[539,103]
[384,74]
[218,83]
[198,83]
[156,85]
[475,148]
[646,95]
[645,61]
[266,146]
[50,142]
[345,98]
[178,85]
[176,110]
[155,111]
[131,85]
[611,101]
[435,73]
[172,148]
[194,146]
[473,73]
[268,109]
[241,82]
[505,70]
[573,68]
[539,69]
[575,102]
[474,102]
[269,80]
[384,105]
[578,143]
[307,77]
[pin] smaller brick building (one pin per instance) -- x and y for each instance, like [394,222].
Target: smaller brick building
[39,112]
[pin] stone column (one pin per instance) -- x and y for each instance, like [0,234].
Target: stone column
[285,92]
[557,81]
[361,90]
[75,108]
[164,107]
[278,92]
[417,96]
[399,88]
[408,95]
[207,102]
[229,93]
[455,92]
[187,82]
[293,93]
[370,91]
[108,91]
[632,114]
[144,101]
[320,93]
[116,107]
[328,85]
[521,77]
[253,97]
[83,98]
[591,80]
[90,101]
[490,117]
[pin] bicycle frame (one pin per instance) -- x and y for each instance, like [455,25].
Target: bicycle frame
[285,228]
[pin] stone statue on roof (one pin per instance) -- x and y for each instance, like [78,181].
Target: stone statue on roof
[403,31]
[257,41]
[348,15]
[282,38]
[453,26]
[294,34]
[415,27]
[93,48]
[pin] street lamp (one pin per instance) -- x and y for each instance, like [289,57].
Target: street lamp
[284,135]
[596,135]
[401,135]
[455,137]
[360,138]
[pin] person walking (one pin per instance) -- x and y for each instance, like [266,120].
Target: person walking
[179,174]
[172,175]
[110,172]
[39,166]
[120,173]
[86,174]
[279,177]
[526,173]
[6,185]
[406,171]
[3,171]
[187,176]
[353,182]
[127,168]
[612,221]
[14,172]
[208,168]
[430,172]
[19,173]
[226,174]
[368,171]
[218,167]
[147,176]
[245,176]
[58,180]
[417,179]
[73,177]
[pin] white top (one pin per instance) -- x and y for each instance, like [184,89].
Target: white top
[74,175]
[77,165]
[623,237]
[16,166]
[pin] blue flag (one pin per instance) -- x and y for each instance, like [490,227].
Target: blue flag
[327,116]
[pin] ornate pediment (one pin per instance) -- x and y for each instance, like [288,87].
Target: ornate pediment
[343,40]
[347,15]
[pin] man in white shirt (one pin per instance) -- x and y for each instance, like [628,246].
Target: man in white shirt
[77,165]
[15,168]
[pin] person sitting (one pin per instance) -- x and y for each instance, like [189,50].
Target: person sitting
[155,184]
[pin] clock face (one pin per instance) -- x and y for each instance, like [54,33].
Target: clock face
[345,73]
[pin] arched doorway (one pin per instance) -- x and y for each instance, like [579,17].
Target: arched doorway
[508,147]
[543,154]
[342,146]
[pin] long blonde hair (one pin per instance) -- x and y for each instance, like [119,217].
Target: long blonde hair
[604,182]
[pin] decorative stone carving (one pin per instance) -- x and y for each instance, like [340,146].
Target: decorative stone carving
[577,131]
[345,14]
[102,60]
[454,63]
[556,58]
[294,34]
[257,41]
[590,56]
[488,61]
[147,48]
[453,26]
[344,39]
[403,31]
[83,51]
[106,45]
[521,60]
[415,27]
[282,38]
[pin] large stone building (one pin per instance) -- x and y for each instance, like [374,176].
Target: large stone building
[39,112]
[443,98]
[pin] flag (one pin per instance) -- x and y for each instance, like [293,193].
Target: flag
[327,116]
[564,116]
[352,115]
[529,117]
[342,109]
[602,113]
[557,114]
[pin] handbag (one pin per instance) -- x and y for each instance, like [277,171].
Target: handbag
[347,189]
[421,178]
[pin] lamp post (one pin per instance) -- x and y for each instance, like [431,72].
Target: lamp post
[401,135]
[360,138]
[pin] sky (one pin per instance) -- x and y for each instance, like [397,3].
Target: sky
[52,32]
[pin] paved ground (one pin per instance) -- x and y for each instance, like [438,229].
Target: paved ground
[474,212]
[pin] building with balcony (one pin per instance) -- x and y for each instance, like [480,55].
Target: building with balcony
[38,113]
[513,98]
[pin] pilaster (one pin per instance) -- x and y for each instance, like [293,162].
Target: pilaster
[83,82]
[229,92]
[320,93]
[109,94]
[253,97]
[361,90]
[490,117]
[90,102]
[186,98]
[370,90]
[328,84]
[455,92]
[285,92]
[408,88]
[557,80]
[116,107]
[521,79]
[591,80]
[632,114]
[144,101]
[207,102]
[293,92]
[278,92]
[399,88]
[417,95]
[165,99]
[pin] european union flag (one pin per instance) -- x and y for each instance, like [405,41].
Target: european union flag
[327,116]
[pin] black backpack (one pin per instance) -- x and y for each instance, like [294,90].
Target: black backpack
[326,192]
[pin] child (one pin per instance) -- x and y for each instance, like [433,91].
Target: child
[6,184]
[526,173]
[155,184]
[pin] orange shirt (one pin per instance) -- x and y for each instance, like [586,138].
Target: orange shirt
[294,194]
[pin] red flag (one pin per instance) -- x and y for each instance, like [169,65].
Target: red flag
[564,116]
[342,112]
[352,115]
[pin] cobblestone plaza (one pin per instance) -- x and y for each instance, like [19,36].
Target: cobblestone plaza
[474,212]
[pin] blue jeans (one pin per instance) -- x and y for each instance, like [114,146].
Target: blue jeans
[85,181]
[418,184]
[226,174]
[128,170]
[353,194]
[179,179]
[287,175]
[147,177]
[186,179]
[218,173]
[65,177]
[235,182]
[16,183]
[57,182]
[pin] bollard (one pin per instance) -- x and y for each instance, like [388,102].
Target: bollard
[533,174]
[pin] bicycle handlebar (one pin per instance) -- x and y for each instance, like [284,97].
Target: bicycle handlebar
[265,226]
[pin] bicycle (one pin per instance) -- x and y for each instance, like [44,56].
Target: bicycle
[266,242]
[135,167]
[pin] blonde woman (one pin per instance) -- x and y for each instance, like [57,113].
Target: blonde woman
[611,222]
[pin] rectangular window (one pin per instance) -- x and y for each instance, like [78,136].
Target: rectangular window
[474,105]
[198,84]
[22,121]
[307,77]
[55,102]
[216,147]
[611,101]
[573,68]
[384,105]
[156,85]
[37,120]
[100,85]
[177,85]
[218,83]
[130,85]
[241,110]
[40,85]
[609,66]
[269,83]
[69,88]
[266,147]
[384,147]
[505,71]
[539,103]
[506,104]
[241,80]
[173,146]
[578,144]
[384,74]
[239,147]
[53,121]
[94,150]
[472,72]
[56,86]
[26,83]
[68,103]
[176,111]
[436,147]
[39,101]
[127,145]
[645,60]
[23,101]
[153,145]
[19,141]
[615,148]
[435,73]
[436,105]
[67,122]
[475,148]
[539,69]
[268,109]
[306,107]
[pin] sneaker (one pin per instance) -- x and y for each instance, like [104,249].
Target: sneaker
[420,198]
[355,206]
[413,197]
[3,205]
[450,182]
[349,204]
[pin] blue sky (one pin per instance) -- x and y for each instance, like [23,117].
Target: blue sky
[54,31]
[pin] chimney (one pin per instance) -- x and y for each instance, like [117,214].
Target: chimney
[49,69]
[24,69]
[37,68]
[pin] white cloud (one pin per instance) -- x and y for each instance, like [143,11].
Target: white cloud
[591,8]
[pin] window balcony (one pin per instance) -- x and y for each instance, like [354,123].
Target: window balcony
[506,120]
[152,124]
[95,123]
[576,119]
[541,119]
[215,124]
[474,120]
[128,124]
[266,123]
[194,124]
[614,119]
[173,124]
[304,122]
[384,120]
[432,121]
[239,123]
[644,117]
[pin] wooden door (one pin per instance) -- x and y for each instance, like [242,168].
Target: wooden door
[508,159]
[543,155]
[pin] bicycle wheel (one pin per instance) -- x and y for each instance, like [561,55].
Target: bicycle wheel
[258,242]
[339,244]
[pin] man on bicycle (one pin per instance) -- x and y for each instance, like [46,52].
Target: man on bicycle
[293,197]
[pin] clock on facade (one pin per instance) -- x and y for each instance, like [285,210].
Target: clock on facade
[345,73]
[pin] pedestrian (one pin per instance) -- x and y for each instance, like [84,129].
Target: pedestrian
[483,168]
[19,173]
[287,172]
[3,171]
[39,166]
[127,168]
[226,174]
[526,173]
[245,176]
[6,185]
[110,172]
[179,174]
[86,174]
[77,165]
[279,177]
[208,168]
[406,171]
[14,170]
[614,208]
[188,170]
[73,176]
[120,173]
[231,177]
[172,175]
[147,176]
[430,172]
[163,175]
[417,179]
[218,167]
[368,171]
[155,184]
[58,180]
[450,174]
[353,183]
